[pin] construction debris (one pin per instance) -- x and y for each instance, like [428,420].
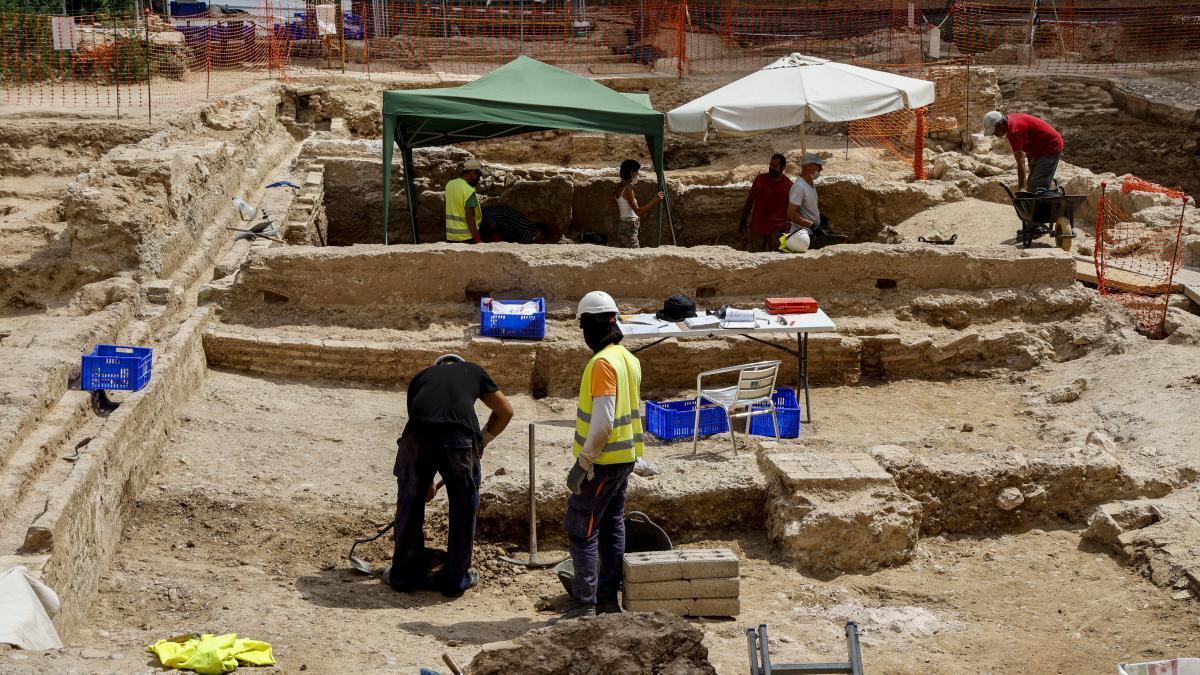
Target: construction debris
[691,582]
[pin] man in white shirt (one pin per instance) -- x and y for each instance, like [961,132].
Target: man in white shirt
[803,210]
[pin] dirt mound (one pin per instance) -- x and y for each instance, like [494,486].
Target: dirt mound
[614,643]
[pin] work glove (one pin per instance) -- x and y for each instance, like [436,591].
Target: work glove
[576,476]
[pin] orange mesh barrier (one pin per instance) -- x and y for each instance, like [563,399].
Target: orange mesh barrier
[1068,37]
[1136,262]
[130,62]
[139,62]
[1135,184]
[901,134]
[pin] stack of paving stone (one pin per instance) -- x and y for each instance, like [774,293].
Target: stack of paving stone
[691,582]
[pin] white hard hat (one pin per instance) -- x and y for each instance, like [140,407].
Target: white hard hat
[475,165]
[448,358]
[798,241]
[596,302]
[990,120]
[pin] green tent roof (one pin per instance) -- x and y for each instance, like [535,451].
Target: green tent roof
[522,96]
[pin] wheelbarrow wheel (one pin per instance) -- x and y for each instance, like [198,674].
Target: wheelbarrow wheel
[1063,233]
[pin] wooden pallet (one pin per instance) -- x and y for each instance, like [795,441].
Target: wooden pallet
[1125,280]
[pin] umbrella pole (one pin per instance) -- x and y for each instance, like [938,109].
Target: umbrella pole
[803,142]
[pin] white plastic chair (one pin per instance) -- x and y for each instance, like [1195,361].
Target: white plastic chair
[756,383]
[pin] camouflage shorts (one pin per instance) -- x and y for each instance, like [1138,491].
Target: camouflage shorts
[627,232]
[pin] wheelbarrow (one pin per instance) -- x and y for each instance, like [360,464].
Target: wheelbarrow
[1048,212]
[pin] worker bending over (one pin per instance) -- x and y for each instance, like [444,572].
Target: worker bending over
[443,436]
[463,214]
[1030,137]
[608,440]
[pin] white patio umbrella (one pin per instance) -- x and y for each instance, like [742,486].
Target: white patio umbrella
[794,90]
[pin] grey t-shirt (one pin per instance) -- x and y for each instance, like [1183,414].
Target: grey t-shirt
[804,196]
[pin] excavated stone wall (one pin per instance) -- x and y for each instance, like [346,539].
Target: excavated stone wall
[705,208]
[901,311]
[375,281]
[146,206]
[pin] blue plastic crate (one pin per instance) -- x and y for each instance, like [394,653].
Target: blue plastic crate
[116,367]
[787,409]
[525,326]
[673,420]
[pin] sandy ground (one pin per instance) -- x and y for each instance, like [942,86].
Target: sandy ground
[265,483]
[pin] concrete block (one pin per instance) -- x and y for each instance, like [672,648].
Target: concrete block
[840,470]
[683,588]
[680,564]
[688,607]
[158,292]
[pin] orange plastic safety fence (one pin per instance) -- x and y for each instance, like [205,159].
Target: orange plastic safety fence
[1136,262]
[132,62]
[1135,184]
[1069,37]
[901,134]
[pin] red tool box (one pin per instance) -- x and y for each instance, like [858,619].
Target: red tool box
[791,305]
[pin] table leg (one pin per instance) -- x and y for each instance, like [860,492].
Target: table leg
[802,363]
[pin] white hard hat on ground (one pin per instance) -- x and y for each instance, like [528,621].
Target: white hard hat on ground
[798,241]
[596,302]
[990,120]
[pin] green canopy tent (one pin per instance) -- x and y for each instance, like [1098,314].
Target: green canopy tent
[520,97]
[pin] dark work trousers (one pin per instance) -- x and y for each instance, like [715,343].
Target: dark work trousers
[455,456]
[595,524]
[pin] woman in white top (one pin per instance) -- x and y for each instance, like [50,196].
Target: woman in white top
[629,214]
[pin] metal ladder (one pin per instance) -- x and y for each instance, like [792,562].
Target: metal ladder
[760,659]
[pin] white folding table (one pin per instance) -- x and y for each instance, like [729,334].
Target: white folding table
[645,326]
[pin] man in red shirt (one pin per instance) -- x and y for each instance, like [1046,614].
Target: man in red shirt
[768,200]
[1029,137]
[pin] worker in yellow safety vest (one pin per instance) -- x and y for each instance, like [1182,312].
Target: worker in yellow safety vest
[608,441]
[463,213]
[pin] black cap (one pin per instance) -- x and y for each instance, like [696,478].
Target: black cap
[677,308]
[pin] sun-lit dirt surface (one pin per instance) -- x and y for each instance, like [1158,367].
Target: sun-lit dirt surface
[265,483]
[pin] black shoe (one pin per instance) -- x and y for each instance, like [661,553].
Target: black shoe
[609,606]
[820,241]
[576,612]
[472,582]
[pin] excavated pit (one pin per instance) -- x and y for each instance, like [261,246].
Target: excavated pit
[939,498]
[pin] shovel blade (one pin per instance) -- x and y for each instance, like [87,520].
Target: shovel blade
[362,566]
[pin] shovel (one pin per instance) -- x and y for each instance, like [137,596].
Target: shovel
[365,567]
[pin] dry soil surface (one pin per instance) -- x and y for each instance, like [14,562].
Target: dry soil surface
[264,484]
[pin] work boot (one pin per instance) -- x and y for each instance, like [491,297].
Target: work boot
[579,611]
[472,582]
[609,605]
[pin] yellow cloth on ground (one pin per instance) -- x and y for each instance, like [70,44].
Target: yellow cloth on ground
[212,654]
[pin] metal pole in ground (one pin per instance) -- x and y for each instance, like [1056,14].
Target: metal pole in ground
[533,494]
[533,554]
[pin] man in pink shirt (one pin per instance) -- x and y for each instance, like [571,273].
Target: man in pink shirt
[1029,137]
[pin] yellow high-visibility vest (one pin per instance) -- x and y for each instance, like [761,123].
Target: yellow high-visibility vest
[625,443]
[458,191]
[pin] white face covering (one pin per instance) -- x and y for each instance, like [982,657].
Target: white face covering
[633,180]
[816,174]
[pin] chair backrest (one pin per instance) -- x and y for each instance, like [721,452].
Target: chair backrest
[757,380]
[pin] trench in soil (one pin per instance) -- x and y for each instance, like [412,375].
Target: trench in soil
[265,482]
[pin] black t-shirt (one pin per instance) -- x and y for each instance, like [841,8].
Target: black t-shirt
[445,395]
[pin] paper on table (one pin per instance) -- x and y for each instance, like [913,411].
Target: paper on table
[709,321]
[642,329]
[738,318]
[643,319]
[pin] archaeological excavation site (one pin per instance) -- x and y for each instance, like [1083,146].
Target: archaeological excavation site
[953,429]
